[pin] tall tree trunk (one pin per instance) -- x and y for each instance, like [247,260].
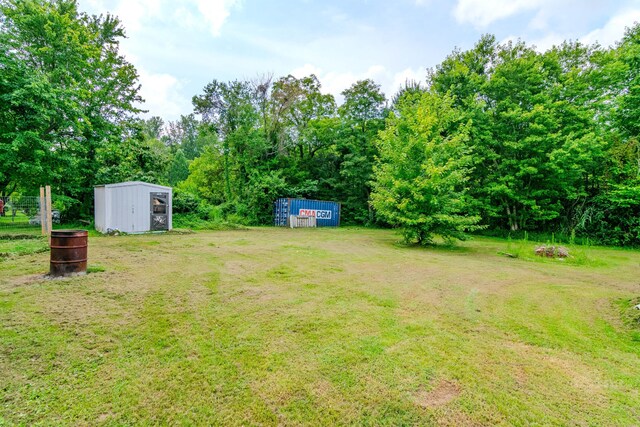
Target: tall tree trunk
[227,182]
[512,217]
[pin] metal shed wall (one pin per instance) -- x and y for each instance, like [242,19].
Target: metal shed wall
[99,209]
[327,214]
[127,206]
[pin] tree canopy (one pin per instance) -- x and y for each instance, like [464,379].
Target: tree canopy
[501,137]
[65,94]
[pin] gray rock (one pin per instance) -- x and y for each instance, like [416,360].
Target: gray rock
[541,250]
[552,251]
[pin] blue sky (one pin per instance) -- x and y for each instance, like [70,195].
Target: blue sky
[178,46]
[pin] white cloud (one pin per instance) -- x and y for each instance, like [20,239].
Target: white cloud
[132,13]
[613,30]
[305,70]
[336,82]
[610,33]
[162,91]
[481,13]
[541,44]
[199,14]
[404,76]
[549,41]
[216,12]
[162,95]
[540,21]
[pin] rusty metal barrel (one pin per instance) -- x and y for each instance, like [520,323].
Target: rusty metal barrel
[68,252]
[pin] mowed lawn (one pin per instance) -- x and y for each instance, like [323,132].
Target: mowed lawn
[318,327]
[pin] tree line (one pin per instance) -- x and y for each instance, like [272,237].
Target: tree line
[501,137]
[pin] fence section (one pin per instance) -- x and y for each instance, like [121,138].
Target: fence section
[20,213]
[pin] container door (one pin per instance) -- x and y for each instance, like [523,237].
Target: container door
[281,213]
[159,211]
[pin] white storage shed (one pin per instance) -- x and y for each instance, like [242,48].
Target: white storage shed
[132,207]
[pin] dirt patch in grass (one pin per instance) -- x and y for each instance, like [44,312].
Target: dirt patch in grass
[77,309]
[31,279]
[443,393]
[36,279]
[572,372]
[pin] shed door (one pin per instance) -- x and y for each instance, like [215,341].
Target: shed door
[159,211]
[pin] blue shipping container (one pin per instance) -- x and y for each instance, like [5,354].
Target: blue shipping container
[327,214]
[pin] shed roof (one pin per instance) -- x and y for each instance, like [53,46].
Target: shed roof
[133,183]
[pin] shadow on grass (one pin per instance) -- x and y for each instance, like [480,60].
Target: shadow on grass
[438,246]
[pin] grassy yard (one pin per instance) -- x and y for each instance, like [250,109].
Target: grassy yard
[22,245]
[18,223]
[320,327]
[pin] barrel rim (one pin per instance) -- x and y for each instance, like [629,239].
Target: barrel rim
[69,233]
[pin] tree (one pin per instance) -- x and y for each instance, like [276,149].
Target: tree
[612,216]
[230,110]
[421,176]
[303,106]
[136,159]
[362,118]
[65,93]
[627,77]
[178,169]
[188,134]
[537,149]
[153,128]
[205,177]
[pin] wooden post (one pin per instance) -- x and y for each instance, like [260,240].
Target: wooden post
[49,219]
[43,208]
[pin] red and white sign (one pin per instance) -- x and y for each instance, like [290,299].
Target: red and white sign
[315,213]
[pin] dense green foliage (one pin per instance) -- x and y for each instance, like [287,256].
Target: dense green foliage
[502,136]
[66,98]
[424,164]
[285,138]
[552,149]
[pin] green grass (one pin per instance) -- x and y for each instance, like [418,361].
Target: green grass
[193,222]
[578,254]
[22,246]
[320,327]
[95,269]
[20,226]
[17,225]
[9,219]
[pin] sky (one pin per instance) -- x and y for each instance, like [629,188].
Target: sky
[178,46]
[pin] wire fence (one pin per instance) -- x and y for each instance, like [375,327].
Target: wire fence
[21,213]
